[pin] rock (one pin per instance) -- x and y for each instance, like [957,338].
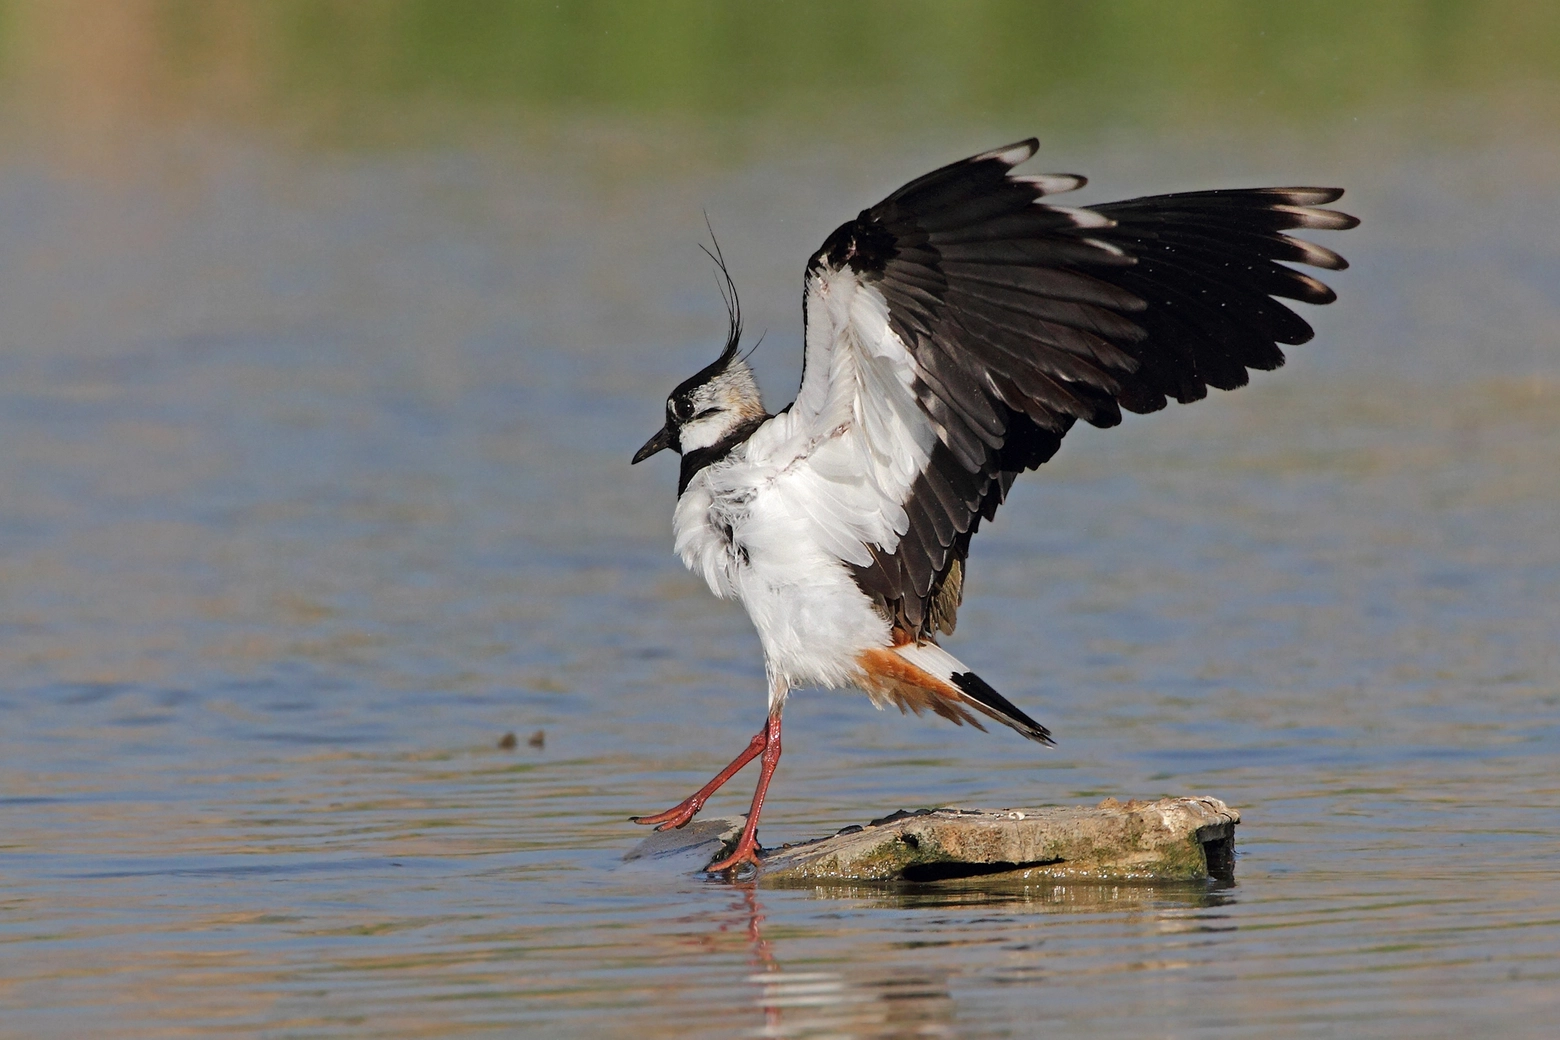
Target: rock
[1173,839]
[700,842]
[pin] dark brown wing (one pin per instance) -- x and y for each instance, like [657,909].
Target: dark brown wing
[1024,317]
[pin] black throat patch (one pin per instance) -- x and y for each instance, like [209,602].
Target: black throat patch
[698,458]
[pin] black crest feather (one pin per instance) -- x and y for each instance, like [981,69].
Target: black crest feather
[728,296]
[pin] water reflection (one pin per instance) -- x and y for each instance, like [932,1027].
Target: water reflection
[839,1003]
[824,1003]
[904,988]
[1038,897]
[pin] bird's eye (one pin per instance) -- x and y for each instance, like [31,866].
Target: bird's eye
[681,410]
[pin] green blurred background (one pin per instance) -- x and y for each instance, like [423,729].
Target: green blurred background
[363,69]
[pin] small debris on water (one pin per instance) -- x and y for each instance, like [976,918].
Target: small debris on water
[538,739]
[507,742]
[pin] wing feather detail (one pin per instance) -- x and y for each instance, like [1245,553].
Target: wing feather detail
[958,329]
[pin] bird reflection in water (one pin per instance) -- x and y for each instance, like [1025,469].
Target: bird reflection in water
[814,1003]
[889,991]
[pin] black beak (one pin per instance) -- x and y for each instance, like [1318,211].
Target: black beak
[662,439]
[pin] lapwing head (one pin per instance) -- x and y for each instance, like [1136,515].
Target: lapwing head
[720,398]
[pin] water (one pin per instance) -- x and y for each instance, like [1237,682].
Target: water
[315,485]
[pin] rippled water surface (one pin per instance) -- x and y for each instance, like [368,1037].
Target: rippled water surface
[315,484]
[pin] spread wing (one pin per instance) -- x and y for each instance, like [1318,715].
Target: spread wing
[958,329]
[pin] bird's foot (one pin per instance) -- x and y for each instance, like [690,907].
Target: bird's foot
[746,852]
[685,810]
[677,816]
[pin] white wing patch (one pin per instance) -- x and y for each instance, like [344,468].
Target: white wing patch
[855,440]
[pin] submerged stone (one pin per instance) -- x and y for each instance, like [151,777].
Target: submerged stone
[702,841]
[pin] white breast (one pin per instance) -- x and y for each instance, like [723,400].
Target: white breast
[738,525]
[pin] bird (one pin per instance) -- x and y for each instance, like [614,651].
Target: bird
[954,333]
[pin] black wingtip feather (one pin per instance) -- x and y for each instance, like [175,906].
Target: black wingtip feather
[1009,155]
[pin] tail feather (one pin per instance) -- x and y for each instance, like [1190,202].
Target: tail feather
[953,686]
[999,707]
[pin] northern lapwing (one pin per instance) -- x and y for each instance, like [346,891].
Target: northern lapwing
[955,332]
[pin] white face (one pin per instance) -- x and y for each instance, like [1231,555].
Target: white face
[716,408]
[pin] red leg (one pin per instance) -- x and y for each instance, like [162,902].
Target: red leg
[685,810]
[747,846]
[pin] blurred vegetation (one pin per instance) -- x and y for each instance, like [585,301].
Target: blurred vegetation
[1082,63]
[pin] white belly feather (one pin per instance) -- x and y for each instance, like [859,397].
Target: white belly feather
[811,617]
